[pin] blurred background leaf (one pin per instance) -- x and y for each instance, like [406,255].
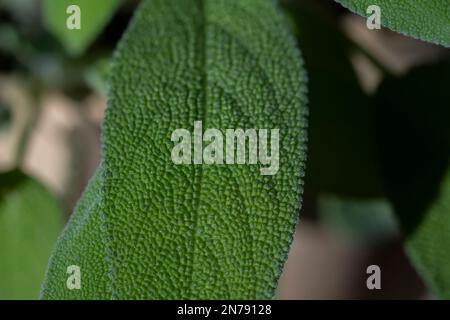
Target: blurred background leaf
[94,17]
[423,19]
[5,115]
[365,222]
[344,197]
[341,147]
[30,222]
[25,12]
[414,142]
[96,76]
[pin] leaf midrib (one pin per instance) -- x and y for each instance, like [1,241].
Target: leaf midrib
[198,169]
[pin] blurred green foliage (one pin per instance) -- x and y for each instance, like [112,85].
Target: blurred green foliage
[341,134]
[94,15]
[5,115]
[364,222]
[423,19]
[414,140]
[96,76]
[360,147]
[30,221]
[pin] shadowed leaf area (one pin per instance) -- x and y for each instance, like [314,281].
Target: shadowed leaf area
[414,141]
[341,132]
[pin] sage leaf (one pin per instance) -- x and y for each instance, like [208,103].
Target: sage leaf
[92,17]
[414,142]
[81,245]
[195,231]
[30,221]
[422,19]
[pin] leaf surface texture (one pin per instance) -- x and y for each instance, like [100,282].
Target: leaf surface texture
[199,231]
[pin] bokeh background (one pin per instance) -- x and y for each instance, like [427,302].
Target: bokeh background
[51,110]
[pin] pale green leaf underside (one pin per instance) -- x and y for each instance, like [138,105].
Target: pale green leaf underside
[29,225]
[94,15]
[422,19]
[195,231]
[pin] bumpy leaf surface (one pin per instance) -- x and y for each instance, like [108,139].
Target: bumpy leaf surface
[81,245]
[29,224]
[197,231]
[414,136]
[422,19]
[94,15]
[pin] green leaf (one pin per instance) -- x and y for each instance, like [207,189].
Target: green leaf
[80,245]
[96,76]
[196,231]
[94,15]
[29,225]
[361,221]
[414,139]
[422,19]
[341,131]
